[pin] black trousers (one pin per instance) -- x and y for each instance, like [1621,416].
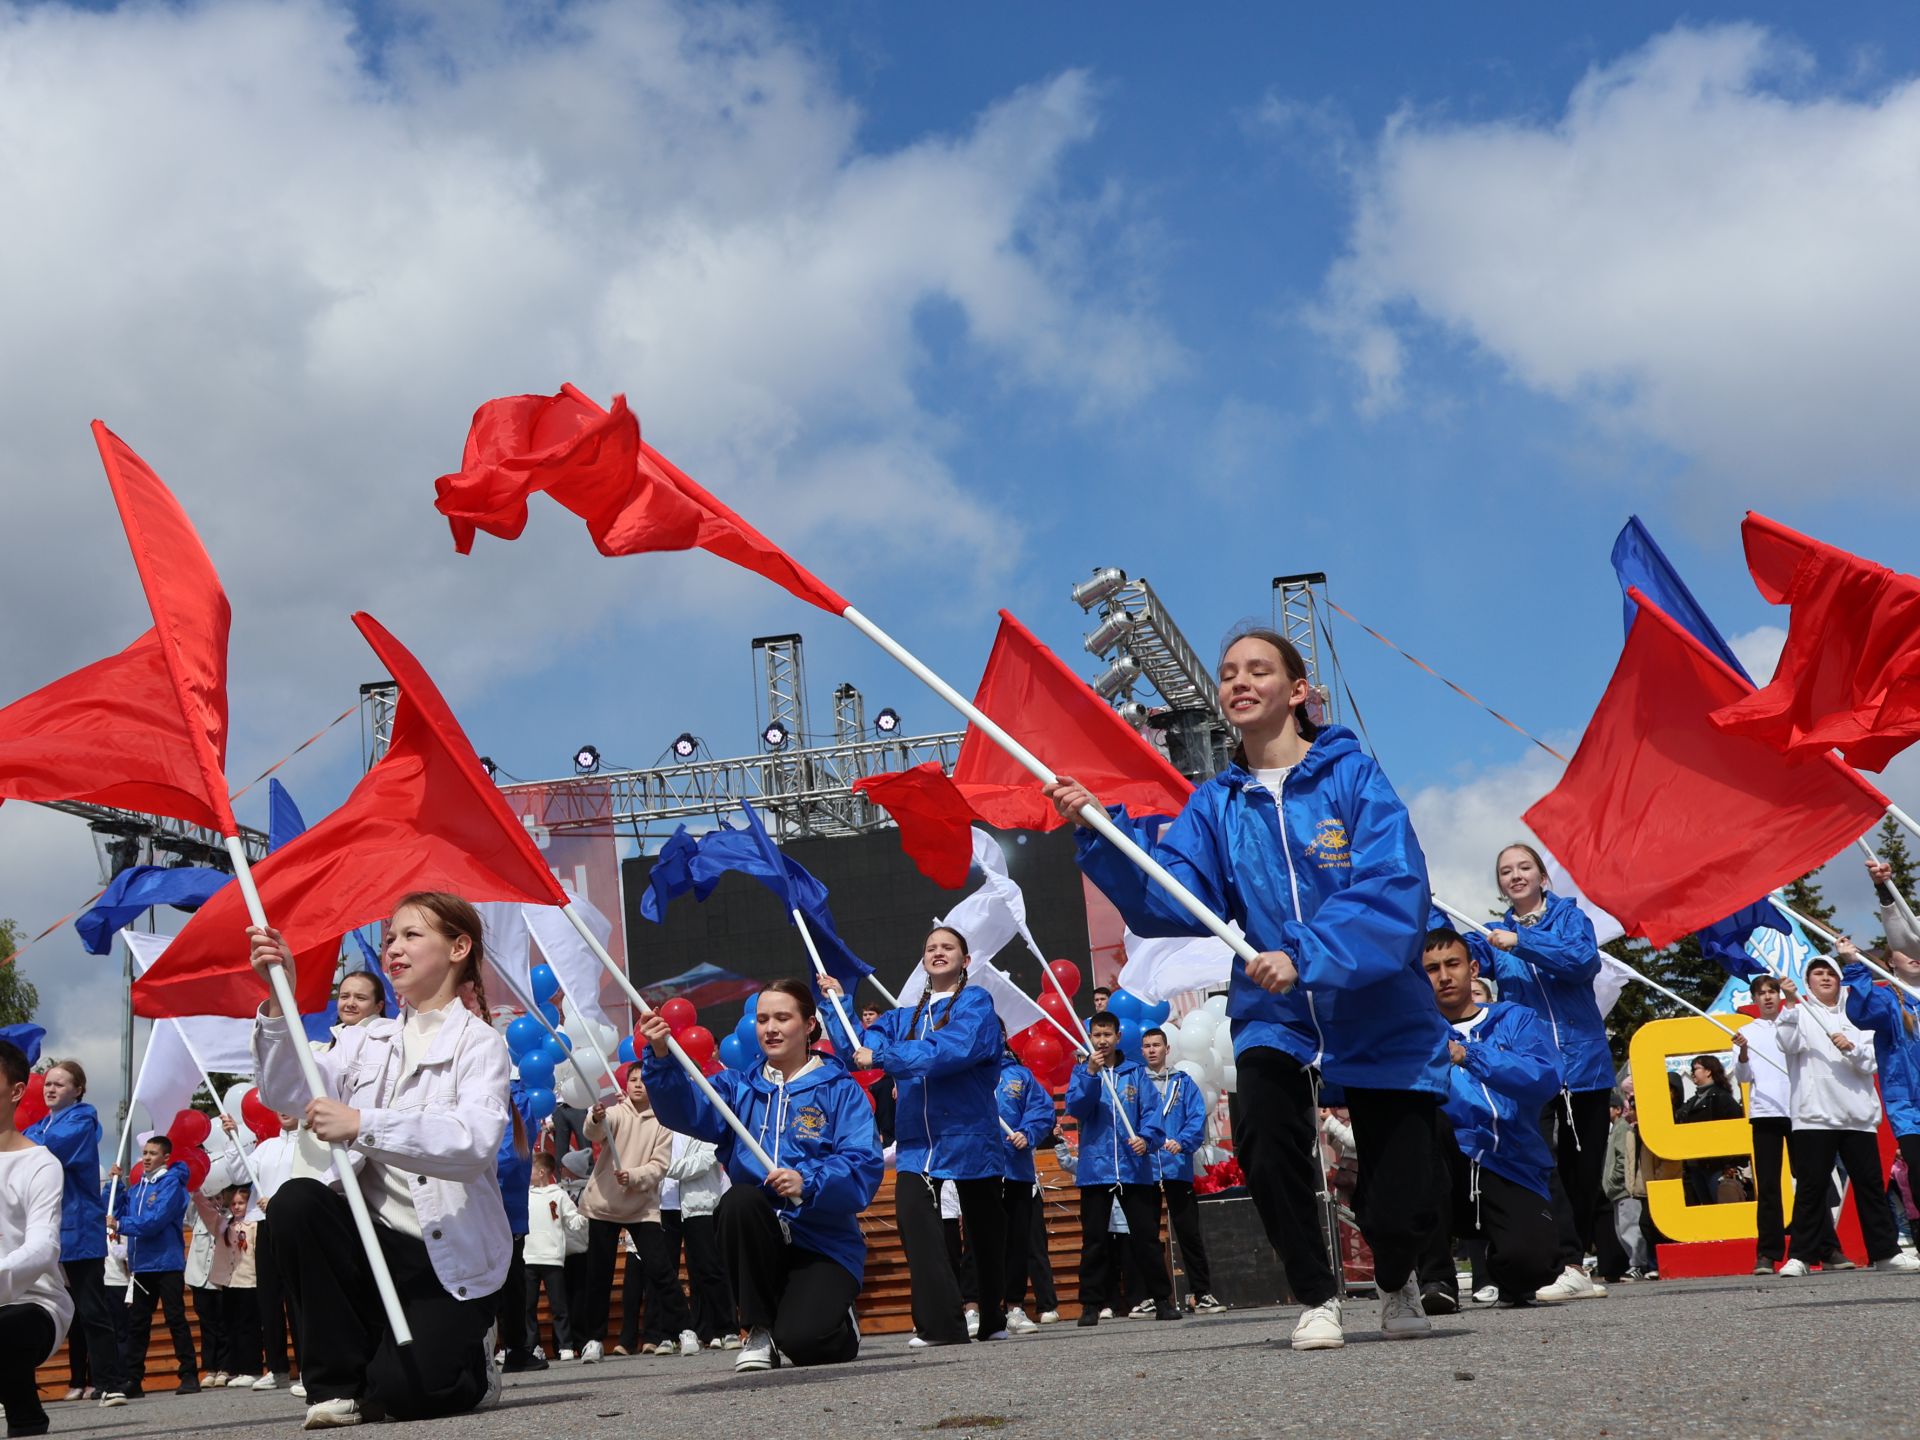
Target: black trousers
[1045,1297]
[801,1296]
[1183,1218]
[274,1305]
[346,1351]
[1517,1224]
[709,1296]
[26,1339]
[1277,1132]
[239,1330]
[1579,1148]
[209,1311]
[1394,1198]
[1769,1143]
[1141,1205]
[578,1270]
[1813,1153]
[665,1306]
[168,1290]
[554,1278]
[93,1342]
[569,1130]
[1016,1202]
[937,1313]
[961,1258]
[515,1334]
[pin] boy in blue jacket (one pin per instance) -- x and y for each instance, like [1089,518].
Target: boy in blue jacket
[1493,1163]
[1183,1116]
[1113,1100]
[151,1215]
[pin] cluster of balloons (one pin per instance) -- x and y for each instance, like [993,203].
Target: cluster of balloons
[1202,1046]
[537,1054]
[1136,1017]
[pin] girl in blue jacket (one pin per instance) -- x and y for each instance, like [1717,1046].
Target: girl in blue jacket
[1545,958]
[1304,843]
[70,1130]
[791,1235]
[944,1055]
[1026,1117]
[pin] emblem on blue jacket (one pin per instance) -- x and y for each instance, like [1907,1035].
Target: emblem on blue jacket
[1330,848]
[810,1122]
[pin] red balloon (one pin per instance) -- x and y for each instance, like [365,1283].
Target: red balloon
[867,1077]
[1044,1054]
[1068,974]
[33,1105]
[135,1175]
[825,1044]
[189,1129]
[258,1116]
[1020,1040]
[679,1014]
[711,1066]
[198,1162]
[1057,1008]
[697,1041]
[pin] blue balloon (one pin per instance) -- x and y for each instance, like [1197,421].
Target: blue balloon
[748,1031]
[556,1054]
[540,1103]
[524,1035]
[536,1069]
[551,1011]
[1130,1036]
[627,1057]
[733,1053]
[1124,1006]
[1157,1013]
[545,983]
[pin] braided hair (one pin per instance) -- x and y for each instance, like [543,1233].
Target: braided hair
[926,995]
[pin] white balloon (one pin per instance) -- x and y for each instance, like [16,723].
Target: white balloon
[1223,1043]
[1216,1006]
[230,1102]
[1197,1029]
[1230,1078]
[572,1090]
[1194,1071]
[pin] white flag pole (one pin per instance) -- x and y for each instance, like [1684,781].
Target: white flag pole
[1832,938]
[317,1088]
[1086,1040]
[686,1061]
[1898,898]
[527,1003]
[820,969]
[218,1103]
[120,1156]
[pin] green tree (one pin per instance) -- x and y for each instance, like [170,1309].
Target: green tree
[18,998]
[1892,847]
[1681,967]
[1804,896]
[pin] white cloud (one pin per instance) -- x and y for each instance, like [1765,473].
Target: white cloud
[1463,825]
[1759,651]
[1712,247]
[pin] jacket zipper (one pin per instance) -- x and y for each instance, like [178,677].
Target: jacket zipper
[1293,884]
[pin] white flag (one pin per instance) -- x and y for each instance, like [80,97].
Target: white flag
[222,1043]
[574,964]
[1159,969]
[992,915]
[1014,1006]
[1614,977]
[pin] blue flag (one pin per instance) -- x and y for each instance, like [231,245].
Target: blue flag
[283,817]
[139,888]
[27,1037]
[1638,560]
[1725,941]
[672,876]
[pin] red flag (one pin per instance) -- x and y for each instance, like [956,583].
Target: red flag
[529,443]
[1850,673]
[145,729]
[935,820]
[1670,823]
[425,818]
[1056,715]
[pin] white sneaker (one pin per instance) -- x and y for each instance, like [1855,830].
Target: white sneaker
[331,1414]
[1207,1305]
[973,1324]
[1402,1316]
[1572,1285]
[569,1354]
[1319,1328]
[591,1353]
[757,1353]
[1901,1264]
[1486,1295]
[269,1381]
[1106,1312]
[1142,1311]
[242,1382]
[1049,1317]
[112,1399]
[689,1343]
[1793,1270]
[1018,1323]
[914,1342]
[218,1380]
[730,1341]
[492,1397]
[298,1389]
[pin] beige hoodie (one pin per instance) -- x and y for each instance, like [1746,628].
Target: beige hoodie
[638,1144]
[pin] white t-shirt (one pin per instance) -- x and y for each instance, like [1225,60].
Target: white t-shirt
[1466,1027]
[388,1188]
[1274,779]
[30,1274]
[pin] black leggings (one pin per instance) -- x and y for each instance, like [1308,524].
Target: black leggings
[801,1296]
[937,1313]
[346,1350]
[1141,1205]
[1183,1218]
[166,1289]
[1016,1201]
[1580,1150]
[1813,1153]
[93,1341]
[665,1306]
[554,1277]
[1770,1133]
[1517,1224]
[26,1339]
[277,1318]
[711,1297]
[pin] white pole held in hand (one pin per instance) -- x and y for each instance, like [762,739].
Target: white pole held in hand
[218,1104]
[820,969]
[1832,938]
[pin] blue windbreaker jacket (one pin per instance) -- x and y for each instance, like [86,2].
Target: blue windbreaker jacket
[1026,1107]
[1552,974]
[1512,1070]
[1105,1156]
[945,1120]
[152,1216]
[1341,886]
[1183,1117]
[1881,1010]
[72,1136]
[820,1125]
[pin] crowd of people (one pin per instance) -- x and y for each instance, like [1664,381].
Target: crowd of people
[1469,1079]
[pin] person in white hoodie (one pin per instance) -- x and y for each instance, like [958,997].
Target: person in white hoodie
[423,1098]
[688,1198]
[35,1308]
[555,1227]
[1836,1110]
[1769,1114]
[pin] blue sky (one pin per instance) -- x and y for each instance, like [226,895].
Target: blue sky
[959,302]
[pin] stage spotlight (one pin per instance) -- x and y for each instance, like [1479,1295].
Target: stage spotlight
[687,745]
[1117,677]
[486,764]
[1110,632]
[1133,712]
[586,760]
[774,736]
[1089,593]
[887,721]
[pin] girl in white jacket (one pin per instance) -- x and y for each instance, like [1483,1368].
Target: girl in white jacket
[34,1306]
[1830,1068]
[423,1098]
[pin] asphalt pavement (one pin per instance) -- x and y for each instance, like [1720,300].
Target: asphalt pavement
[1828,1355]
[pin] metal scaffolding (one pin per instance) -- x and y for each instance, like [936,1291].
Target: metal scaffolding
[1296,616]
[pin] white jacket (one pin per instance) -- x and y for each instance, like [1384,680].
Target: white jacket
[1831,1090]
[695,1179]
[551,1218]
[1766,1071]
[440,1128]
[224,1168]
[31,1182]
